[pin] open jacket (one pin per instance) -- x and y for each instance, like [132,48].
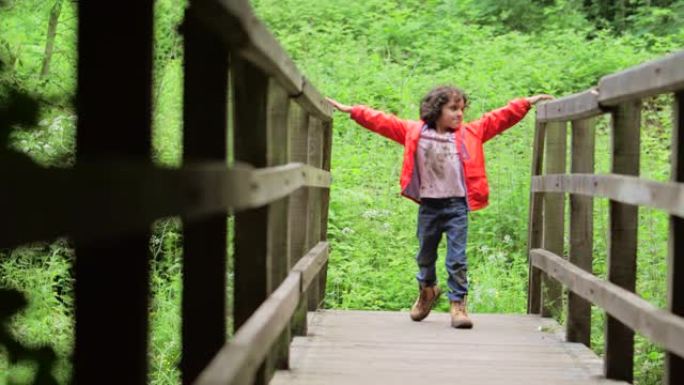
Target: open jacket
[469,140]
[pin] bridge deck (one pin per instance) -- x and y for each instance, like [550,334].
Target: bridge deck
[362,347]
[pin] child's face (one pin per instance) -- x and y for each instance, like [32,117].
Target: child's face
[452,113]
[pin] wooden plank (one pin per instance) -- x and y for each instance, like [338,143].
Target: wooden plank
[235,21]
[674,364]
[573,107]
[659,326]
[106,189]
[311,264]
[325,202]
[204,240]
[251,253]
[554,213]
[668,197]
[535,223]
[113,103]
[578,325]
[313,102]
[299,201]
[390,349]
[238,361]
[622,245]
[261,139]
[276,182]
[278,222]
[648,79]
[315,159]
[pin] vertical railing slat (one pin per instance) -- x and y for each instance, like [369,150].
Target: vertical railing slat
[299,203]
[674,365]
[315,158]
[114,116]
[534,239]
[581,230]
[325,202]
[204,241]
[251,226]
[553,215]
[278,211]
[622,248]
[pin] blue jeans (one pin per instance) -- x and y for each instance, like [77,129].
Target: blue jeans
[437,216]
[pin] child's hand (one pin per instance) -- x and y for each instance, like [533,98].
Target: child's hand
[339,106]
[537,98]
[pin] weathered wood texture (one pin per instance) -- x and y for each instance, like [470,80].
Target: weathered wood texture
[391,349]
[660,326]
[315,159]
[236,23]
[622,244]
[648,79]
[573,107]
[299,206]
[674,364]
[578,324]
[252,255]
[325,202]
[554,213]
[631,190]
[133,194]
[535,223]
[278,222]
[111,278]
[239,361]
[204,240]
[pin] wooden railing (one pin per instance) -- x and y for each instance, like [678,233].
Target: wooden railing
[277,188]
[620,96]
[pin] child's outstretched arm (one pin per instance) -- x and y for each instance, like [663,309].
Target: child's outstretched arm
[497,121]
[384,124]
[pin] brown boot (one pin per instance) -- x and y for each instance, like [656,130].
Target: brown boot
[459,315]
[426,300]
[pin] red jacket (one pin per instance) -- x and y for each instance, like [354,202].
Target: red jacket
[472,135]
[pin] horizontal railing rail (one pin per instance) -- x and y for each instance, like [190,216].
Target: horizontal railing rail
[125,198]
[239,359]
[666,196]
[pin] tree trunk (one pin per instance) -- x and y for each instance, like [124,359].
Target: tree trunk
[50,41]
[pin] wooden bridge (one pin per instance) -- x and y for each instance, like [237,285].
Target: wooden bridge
[256,146]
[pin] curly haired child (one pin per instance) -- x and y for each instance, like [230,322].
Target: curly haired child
[444,171]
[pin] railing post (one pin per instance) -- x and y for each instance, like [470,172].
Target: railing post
[553,215]
[278,221]
[578,327]
[535,223]
[251,226]
[298,210]
[674,364]
[622,249]
[315,158]
[325,202]
[114,114]
[204,240]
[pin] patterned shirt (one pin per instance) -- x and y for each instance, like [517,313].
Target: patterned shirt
[439,165]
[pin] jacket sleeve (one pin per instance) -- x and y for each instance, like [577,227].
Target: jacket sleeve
[384,124]
[495,122]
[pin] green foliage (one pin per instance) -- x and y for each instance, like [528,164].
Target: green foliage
[387,54]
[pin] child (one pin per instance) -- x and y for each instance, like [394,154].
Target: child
[443,171]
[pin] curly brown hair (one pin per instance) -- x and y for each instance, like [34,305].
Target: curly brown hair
[432,103]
